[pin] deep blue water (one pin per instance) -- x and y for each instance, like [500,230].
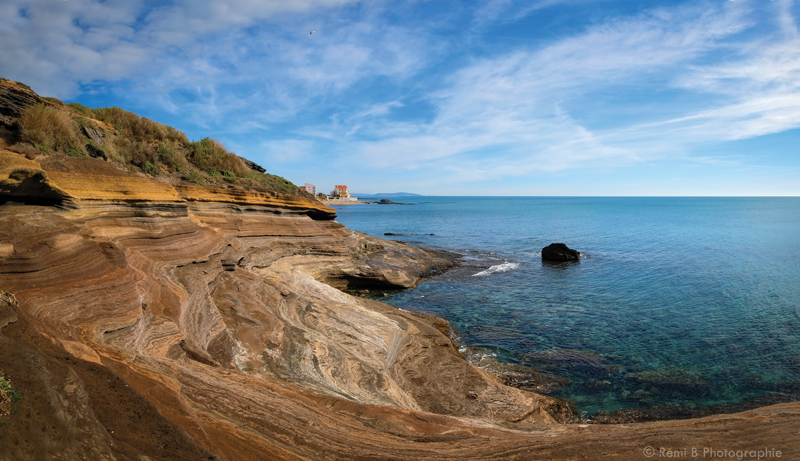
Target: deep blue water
[676,301]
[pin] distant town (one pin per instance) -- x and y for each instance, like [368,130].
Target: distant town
[339,193]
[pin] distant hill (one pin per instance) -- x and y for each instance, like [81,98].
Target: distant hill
[391,194]
[45,127]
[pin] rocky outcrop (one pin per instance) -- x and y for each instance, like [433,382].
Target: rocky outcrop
[70,181]
[558,252]
[253,165]
[14,99]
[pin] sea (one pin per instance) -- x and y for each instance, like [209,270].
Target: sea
[682,301]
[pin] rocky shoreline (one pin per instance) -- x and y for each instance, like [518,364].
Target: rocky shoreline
[530,378]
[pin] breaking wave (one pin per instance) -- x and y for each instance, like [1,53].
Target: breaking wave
[505,267]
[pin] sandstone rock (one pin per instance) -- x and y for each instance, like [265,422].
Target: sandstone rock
[558,252]
[213,300]
[95,135]
[14,100]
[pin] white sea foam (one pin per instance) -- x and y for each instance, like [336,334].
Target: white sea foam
[505,267]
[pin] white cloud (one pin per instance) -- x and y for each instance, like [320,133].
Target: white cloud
[55,45]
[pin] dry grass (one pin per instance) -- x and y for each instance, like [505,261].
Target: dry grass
[51,129]
[80,109]
[212,157]
[55,101]
[266,182]
[138,129]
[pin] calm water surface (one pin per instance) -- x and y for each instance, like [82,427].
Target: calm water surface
[676,301]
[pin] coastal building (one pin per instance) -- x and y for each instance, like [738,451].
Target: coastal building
[310,188]
[341,193]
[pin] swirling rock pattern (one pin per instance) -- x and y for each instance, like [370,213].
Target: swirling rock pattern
[151,321]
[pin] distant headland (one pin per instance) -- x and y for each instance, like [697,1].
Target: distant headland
[389,194]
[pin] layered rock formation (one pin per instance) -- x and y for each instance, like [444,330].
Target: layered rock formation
[215,310]
[144,319]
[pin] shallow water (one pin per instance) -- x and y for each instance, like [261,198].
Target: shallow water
[675,301]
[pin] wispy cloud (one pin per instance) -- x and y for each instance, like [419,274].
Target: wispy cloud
[508,115]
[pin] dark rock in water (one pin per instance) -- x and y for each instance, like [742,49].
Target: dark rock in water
[386,201]
[559,252]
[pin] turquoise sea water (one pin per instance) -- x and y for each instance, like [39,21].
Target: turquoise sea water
[676,301]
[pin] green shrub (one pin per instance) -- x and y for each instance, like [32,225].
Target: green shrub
[7,391]
[23,85]
[150,169]
[172,156]
[195,177]
[8,395]
[53,100]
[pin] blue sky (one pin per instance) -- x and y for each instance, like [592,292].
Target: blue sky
[495,97]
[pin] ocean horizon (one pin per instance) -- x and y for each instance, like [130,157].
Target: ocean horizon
[676,301]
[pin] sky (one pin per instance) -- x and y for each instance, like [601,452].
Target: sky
[445,97]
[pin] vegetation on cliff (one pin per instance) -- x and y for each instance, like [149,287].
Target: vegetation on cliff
[132,142]
[8,395]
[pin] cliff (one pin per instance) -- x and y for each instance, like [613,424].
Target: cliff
[148,317]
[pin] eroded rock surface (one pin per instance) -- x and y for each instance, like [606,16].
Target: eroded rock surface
[216,311]
[144,320]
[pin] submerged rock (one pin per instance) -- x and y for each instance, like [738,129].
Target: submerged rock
[558,252]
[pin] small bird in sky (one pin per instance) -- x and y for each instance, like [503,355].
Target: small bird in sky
[312,31]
